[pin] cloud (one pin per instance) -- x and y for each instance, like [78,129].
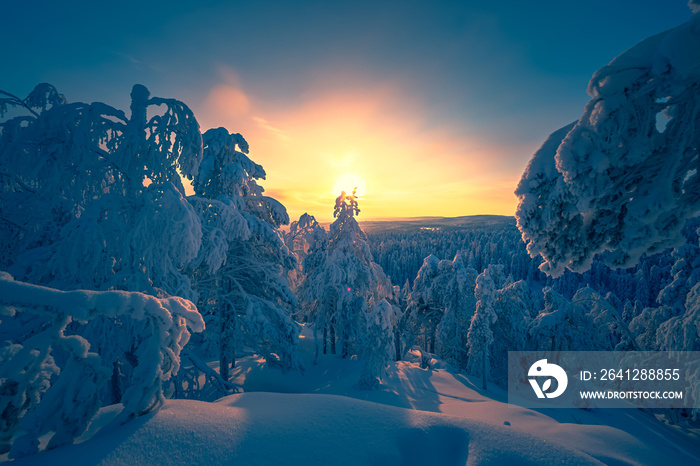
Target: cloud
[226,104]
[278,133]
[227,101]
[278,194]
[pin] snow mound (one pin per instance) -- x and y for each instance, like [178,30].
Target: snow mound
[274,428]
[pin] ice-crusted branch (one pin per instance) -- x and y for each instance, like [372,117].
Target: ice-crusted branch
[40,402]
[14,100]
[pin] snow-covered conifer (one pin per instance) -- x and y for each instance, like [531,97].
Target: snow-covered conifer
[480,336]
[423,312]
[94,199]
[514,307]
[300,239]
[378,343]
[341,280]
[240,271]
[586,323]
[459,304]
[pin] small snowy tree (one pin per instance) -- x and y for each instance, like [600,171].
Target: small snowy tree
[514,307]
[624,177]
[480,336]
[303,234]
[459,304]
[422,311]
[378,344]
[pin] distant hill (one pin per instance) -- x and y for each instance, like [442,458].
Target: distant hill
[436,223]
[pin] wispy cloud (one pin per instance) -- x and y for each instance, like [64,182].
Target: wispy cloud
[278,133]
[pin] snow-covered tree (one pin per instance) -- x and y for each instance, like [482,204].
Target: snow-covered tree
[378,343]
[423,313]
[624,177]
[682,332]
[51,381]
[514,307]
[93,199]
[480,336]
[241,269]
[586,323]
[341,281]
[456,297]
[303,234]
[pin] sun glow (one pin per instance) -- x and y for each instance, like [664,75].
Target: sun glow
[347,182]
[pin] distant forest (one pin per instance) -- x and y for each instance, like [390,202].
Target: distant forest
[401,247]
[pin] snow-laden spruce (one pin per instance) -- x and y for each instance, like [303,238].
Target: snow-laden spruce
[440,306]
[52,382]
[586,323]
[300,240]
[624,177]
[347,293]
[240,271]
[480,335]
[378,343]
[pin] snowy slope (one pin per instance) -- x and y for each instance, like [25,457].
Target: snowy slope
[273,428]
[619,436]
[419,416]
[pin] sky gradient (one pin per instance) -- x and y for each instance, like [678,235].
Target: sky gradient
[435,107]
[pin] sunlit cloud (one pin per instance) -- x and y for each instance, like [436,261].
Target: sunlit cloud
[276,132]
[279,194]
[227,102]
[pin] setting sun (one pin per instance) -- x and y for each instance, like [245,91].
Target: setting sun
[347,182]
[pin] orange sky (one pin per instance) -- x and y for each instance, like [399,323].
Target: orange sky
[376,132]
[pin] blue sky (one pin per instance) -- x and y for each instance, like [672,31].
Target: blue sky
[440,101]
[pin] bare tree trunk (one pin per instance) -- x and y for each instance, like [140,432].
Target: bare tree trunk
[325,339]
[116,390]
[232,352]
[397,344]
[227,343]
[483,370]
[333,336]
[223,366]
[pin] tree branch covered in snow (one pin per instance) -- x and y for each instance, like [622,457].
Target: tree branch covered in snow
[623,178]
[39,394]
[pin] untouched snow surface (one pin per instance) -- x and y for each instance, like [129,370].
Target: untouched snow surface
[417,417]
[274,428]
